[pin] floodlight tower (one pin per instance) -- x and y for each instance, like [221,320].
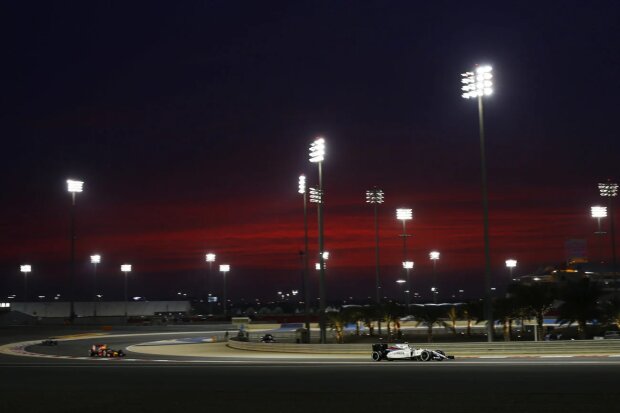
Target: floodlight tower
[478,84]
[375,198]
[317,155]
[224,268]
[25,269]
[404,214]
[73,187]
[95,259]
[209,259]
[599,212]
[303,190]
[511,264]
[125,269]
[434,256]
[408,266]
[609,190]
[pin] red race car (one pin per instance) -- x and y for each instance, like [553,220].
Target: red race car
[102,350]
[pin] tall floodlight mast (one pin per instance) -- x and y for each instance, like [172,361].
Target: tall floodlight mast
[476,85]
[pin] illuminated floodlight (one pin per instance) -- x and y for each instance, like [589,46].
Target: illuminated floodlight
[317,266]
[74,186]
[302,184]
[434,255]
[401,281]
[478,83]
[210,257]
[608,189]
[126,268]
[95,259]
[325,255]
[598,211]
[510,263]
[404,214]
[317,150]
[25,268]
[224,268]
[407,265]
[374,196]
[316,195]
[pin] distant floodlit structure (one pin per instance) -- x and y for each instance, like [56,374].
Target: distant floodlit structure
[434,255]
[126,268]
[224,268]
[316,195]
[404,214]
[95,259]
[302,184]
[25,268]
[408,265]
[608,189]
[598,211]
[510,263]
[478,83]
[374,196]
[317,150]
[74,186]
[210,257]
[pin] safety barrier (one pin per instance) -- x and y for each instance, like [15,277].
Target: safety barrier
[515,348]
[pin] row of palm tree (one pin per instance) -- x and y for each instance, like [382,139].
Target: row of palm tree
[577,302]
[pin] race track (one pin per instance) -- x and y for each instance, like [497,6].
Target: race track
[235,380]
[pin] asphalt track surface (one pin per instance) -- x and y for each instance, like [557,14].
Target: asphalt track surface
[228,382]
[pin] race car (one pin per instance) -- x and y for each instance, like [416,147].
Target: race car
[382,351]
[49,342]
[102,350]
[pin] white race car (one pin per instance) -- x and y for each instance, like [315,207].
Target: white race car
[404,351]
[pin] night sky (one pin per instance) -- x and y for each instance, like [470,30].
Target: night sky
[189,123]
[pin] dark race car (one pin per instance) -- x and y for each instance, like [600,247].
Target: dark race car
[49,342]
[267,338]
[404,351]
[102,350]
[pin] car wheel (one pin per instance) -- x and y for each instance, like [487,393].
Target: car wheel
[425,356]
[376,356]
[92,354]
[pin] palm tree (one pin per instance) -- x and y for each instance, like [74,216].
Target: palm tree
[579,304]
[337,320]
[353,314]
[453,314]
[429,315]
[368,314]
[611,312]
[534,300]
[473,311]
[506,310]
[392,313]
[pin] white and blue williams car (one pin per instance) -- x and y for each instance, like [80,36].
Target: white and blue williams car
[383,351]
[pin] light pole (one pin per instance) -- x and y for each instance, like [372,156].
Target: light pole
[302,189]
[401,283]
[404,214]
[408,266]
[476,85]
[434,256]
[95,259]
[375,198]
[610,191]
[126,269]
[224,268]
[511,264]
[26,269]
[210,259]
[73,187]
[599,212]
[317,155]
